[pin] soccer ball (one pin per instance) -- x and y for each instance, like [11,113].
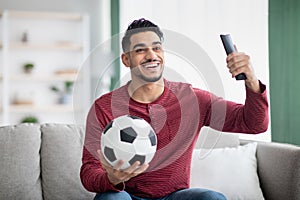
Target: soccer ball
[130,139]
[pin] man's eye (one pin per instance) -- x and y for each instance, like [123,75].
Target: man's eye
[158,48]
[139,50]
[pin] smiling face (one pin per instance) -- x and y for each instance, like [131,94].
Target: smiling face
[145,57]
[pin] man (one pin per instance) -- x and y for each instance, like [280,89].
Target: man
[176,111]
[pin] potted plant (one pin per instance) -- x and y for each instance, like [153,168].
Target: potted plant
[65,94]
[30,119]
[28,67]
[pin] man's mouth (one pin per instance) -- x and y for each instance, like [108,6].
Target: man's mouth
[149,66]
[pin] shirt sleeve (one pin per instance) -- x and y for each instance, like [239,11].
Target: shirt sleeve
[93,176]
[250,117]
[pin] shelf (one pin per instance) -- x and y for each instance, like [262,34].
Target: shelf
[44,15]
[39,108]
[43,77]
[54,46]
[56,42]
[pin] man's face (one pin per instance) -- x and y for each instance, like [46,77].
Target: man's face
[146,56]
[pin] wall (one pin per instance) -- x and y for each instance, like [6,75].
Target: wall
[203,21]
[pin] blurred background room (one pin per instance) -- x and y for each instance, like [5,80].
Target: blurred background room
[57,57]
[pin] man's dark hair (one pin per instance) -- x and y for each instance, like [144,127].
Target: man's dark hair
[137,26]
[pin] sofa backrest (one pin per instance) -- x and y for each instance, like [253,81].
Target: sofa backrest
[279,170]
[20,162]
[61,152]
[212,139]
[41,162]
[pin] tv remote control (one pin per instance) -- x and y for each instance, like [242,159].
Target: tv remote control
[229,48]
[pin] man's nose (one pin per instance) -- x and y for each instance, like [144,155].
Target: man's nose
[151,54]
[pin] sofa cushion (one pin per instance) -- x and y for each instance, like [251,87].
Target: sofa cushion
[20,162]
[61,153]
[231,171]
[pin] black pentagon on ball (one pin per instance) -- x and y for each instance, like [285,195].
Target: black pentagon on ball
[137,158]
[109,153]
[128,135]
[152,138]
[108,126]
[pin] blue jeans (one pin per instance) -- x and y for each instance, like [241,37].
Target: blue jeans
[185,194]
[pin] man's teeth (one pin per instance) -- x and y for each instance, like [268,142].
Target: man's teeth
[151,65]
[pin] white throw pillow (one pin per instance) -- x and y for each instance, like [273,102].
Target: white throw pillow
[231,171]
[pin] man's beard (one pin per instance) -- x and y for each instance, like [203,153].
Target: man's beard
[150,79]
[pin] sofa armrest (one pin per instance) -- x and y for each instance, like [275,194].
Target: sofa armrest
[279,170]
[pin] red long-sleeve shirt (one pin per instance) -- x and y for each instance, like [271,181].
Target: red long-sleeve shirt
[177,117]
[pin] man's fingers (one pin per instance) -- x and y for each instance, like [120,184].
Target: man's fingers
[141,169]
[238,65]
[135,170]
[236,58]
[118,165]
[132,168]
[238,62]
[122,175]
[105,163]
[238,71]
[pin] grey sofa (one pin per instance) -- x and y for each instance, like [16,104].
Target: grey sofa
[43,162]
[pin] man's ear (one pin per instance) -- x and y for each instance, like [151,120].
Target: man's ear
[125,59]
